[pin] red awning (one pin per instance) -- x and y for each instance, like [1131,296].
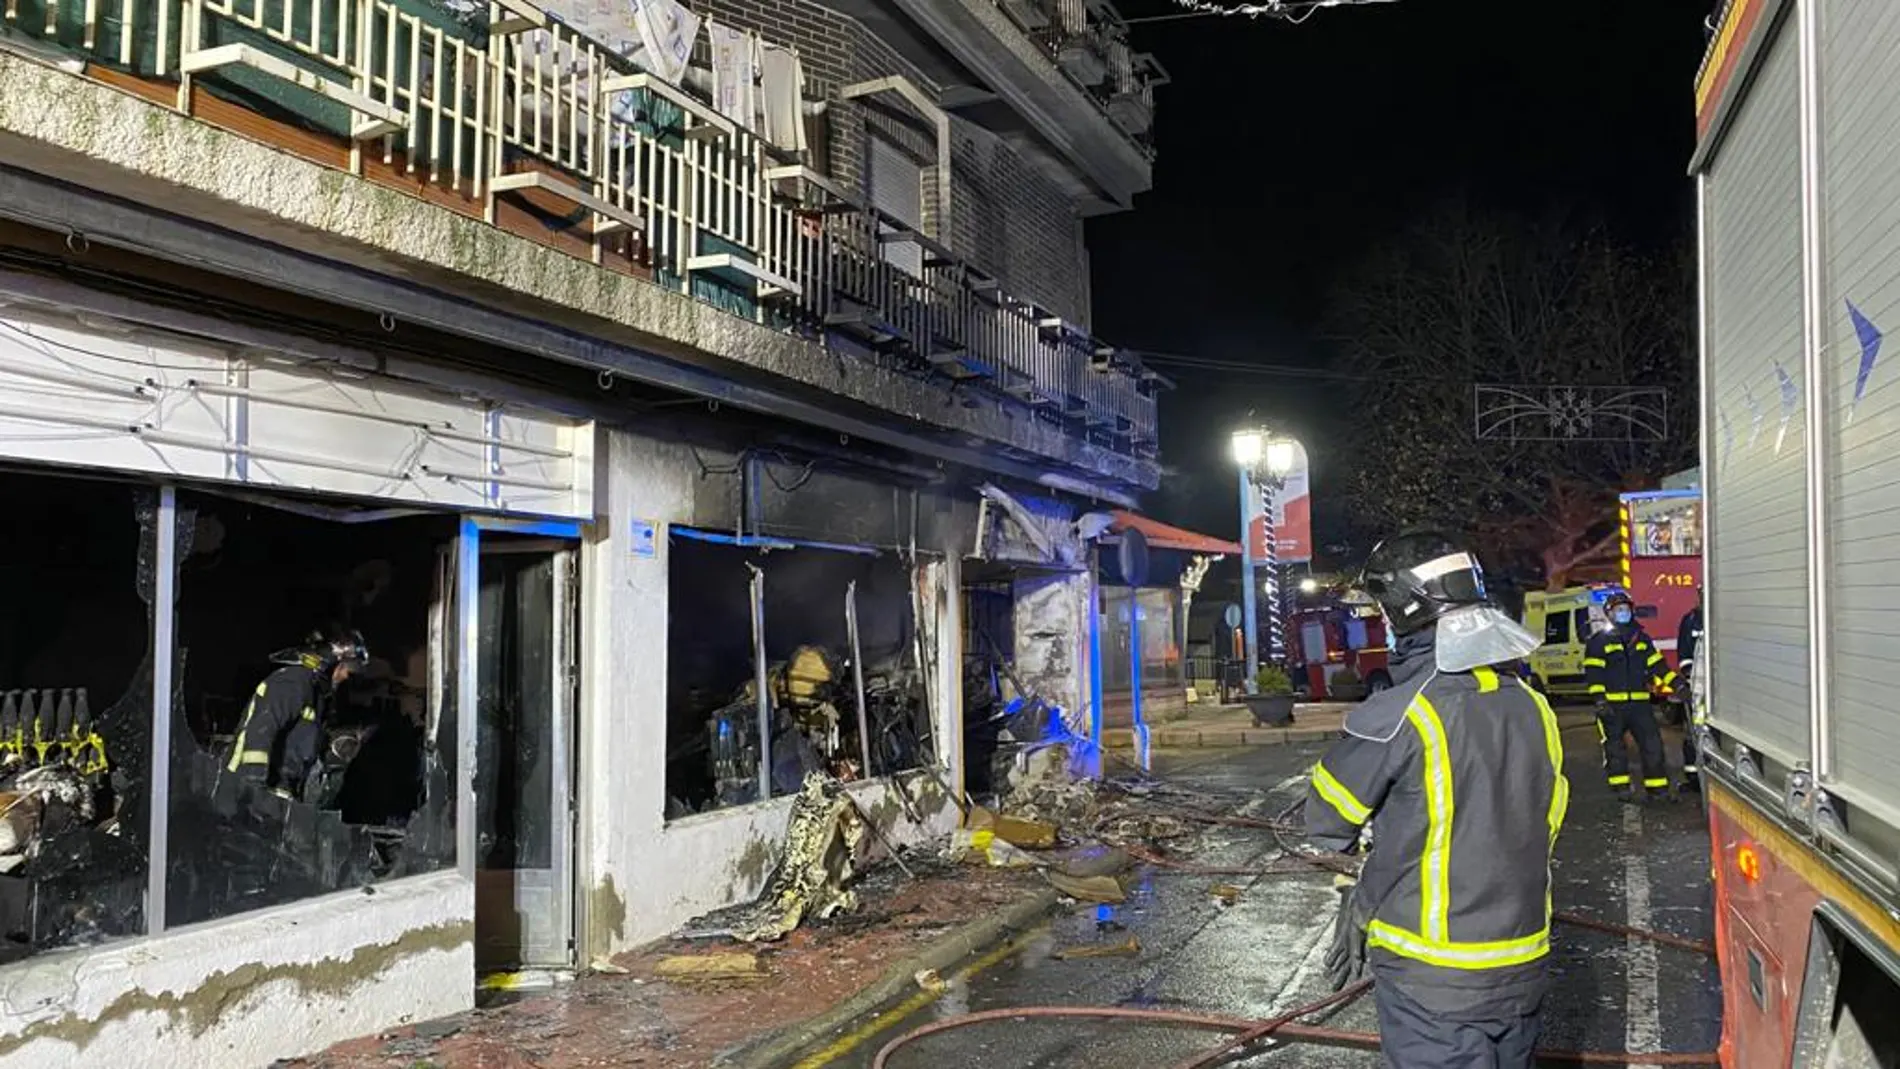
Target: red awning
[1164,536]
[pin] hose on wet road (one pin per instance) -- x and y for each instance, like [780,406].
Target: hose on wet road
[1245,1032]
[1287,1027]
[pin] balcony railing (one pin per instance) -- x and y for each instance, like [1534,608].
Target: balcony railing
[507,102]
[1088,41]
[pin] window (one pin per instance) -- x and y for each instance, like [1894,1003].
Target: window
[1356,638]
[897,189]
[1161,667]
[1666,526]
[712,665]
[76,710]
[286,783]
[1313,641]
[1556,628]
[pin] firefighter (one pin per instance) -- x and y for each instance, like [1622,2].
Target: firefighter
[1688,641]
[1622,666]
[1460,765]
[280,739]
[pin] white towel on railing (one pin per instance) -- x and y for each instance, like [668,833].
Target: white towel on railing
[782,97]
[667,30]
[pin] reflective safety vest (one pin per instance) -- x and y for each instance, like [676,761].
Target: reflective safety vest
[1624,666]
[1463,773]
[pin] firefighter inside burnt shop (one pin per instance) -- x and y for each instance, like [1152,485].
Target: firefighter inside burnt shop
[280,738]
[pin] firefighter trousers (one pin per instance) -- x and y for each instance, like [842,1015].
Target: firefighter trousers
[1413,1037]
[1637,719]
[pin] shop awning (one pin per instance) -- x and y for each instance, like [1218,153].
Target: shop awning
[1166,536]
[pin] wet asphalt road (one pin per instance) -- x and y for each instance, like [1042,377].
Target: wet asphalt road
[1646,866]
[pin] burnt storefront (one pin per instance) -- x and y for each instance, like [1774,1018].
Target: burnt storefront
[271,604]
[802,635]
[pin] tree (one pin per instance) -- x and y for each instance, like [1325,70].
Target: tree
[1464,299]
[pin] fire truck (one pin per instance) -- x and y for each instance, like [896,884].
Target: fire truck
[1662,560]
[1797,175]
[1326,638]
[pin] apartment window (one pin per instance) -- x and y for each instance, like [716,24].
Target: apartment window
[897,190]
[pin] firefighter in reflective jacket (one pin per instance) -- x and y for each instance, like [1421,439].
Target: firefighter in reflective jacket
[1460,766]
[1688,642]
[279,741]
[1622,666]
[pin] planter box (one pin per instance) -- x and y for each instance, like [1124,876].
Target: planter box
[1346,692]
[1275,710]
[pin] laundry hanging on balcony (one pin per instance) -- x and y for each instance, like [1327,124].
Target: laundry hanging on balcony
[735,73]
[781,93]
[667,32]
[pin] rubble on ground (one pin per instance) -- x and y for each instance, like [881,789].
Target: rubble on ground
[814,873]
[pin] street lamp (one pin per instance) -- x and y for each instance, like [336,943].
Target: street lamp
[1264,460]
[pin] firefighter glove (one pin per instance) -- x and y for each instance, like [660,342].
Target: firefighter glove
[1346,961]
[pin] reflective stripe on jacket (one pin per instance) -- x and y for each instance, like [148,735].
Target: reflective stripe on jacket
[1624,665]
[269,746]
[1462,773]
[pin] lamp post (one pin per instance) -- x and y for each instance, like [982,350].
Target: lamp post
[1264,461]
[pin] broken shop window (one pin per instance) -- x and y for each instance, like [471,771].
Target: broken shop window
[75,711]
[1158,613]
[813,602]
[287,780]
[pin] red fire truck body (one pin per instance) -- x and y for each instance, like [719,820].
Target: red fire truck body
[1797,176]
[1323,639]
[1662,560]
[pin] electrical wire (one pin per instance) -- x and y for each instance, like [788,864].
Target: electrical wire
[1294,12]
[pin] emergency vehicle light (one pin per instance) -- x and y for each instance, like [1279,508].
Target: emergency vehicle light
[1748,862]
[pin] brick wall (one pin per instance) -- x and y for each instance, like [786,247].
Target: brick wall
[1005,216]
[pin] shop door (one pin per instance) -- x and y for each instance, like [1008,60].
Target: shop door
[525,648]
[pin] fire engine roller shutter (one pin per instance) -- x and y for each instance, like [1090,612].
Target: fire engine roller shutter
[1758,546]
[106,393]
[1860,165]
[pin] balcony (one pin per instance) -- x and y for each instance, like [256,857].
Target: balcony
[1055,76]
[508,116]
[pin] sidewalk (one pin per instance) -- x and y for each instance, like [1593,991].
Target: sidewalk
[639,1019]
[1232,725]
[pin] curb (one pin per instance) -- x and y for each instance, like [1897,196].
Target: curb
[898,980]
[1191,738]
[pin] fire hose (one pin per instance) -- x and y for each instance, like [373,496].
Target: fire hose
[1245,1032]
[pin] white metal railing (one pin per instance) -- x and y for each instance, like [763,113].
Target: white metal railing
[521,101]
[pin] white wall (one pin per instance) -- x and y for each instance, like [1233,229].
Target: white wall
[641,878]
[248,990]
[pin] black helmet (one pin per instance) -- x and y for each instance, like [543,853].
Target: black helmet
[1417,578]
[322,655]
[1618,597]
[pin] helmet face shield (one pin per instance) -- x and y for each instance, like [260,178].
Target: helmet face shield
[1417,578]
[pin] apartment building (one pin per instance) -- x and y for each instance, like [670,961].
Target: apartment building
[652,386]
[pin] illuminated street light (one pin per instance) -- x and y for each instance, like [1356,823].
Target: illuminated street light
[1248,447]
[1282,455]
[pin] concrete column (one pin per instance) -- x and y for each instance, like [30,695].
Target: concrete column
[642,486]
[1054,617]
[940,588]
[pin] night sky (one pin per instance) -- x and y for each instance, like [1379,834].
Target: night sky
[1288,153]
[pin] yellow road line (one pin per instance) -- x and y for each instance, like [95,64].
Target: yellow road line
[858,1036]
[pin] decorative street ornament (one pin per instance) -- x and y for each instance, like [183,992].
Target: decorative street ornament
[1572,413]
[1294,11]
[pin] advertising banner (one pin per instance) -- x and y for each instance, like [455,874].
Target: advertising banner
[1292,516]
